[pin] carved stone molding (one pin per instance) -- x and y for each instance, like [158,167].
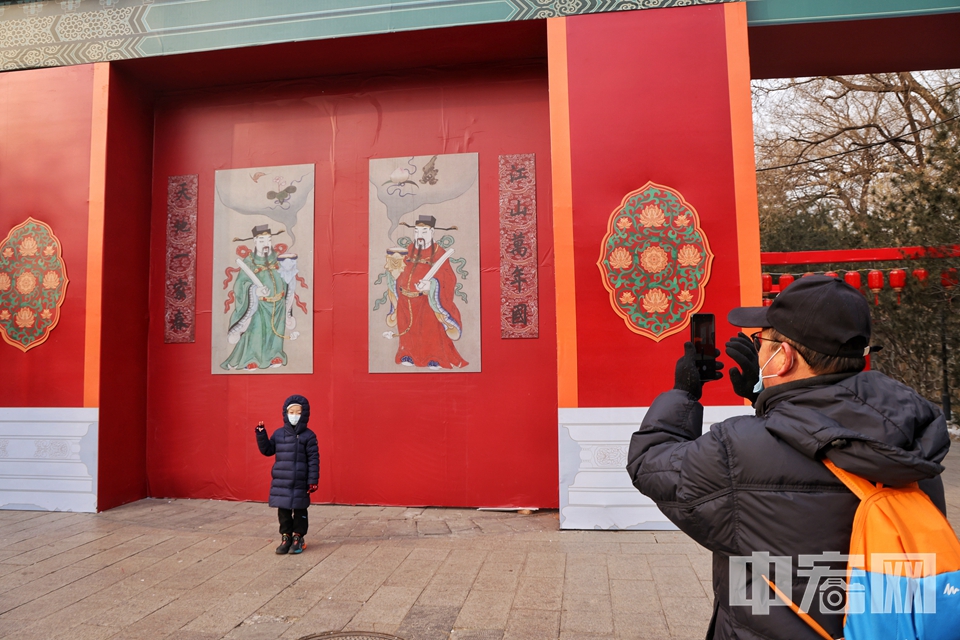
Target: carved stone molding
[595,489]
[49,459]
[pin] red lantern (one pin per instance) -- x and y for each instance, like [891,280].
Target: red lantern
[875,283]
[766,283]
[921,275]
[808,273]
[949,279]
[832,274]
[785,281]
[898,279]
[767,302]
[852,278]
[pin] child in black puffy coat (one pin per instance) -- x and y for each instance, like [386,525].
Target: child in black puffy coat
[296,471]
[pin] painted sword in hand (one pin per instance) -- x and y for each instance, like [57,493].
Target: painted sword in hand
[250,274]
[424,282]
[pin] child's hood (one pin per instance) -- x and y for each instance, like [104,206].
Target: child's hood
[304,412]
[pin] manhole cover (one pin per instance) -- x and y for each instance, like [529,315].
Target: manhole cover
[351,635]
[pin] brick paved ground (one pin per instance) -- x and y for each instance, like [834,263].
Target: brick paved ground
[198,569]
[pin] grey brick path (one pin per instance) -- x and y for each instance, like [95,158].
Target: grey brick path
[199,570]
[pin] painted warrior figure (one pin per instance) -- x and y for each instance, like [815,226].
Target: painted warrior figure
[423,312]
[264,311]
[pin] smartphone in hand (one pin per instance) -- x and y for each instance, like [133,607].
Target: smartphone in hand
[703,335]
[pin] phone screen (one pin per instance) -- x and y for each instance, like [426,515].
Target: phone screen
[703,334]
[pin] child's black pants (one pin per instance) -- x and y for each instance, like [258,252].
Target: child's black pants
[293,521]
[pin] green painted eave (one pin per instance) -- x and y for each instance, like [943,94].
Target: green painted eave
[44,34]
[181,28]
[770,12]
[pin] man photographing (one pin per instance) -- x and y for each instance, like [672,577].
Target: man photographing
[757,484]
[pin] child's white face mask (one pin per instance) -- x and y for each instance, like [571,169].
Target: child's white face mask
[294,418]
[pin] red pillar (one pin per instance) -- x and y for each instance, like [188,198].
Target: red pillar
[657,95]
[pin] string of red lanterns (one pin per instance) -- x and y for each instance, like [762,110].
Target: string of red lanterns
[897,278]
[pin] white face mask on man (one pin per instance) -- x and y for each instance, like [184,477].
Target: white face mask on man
[293,418]
[757,388]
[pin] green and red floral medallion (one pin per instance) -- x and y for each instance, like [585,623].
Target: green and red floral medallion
[33,280]
[655,261]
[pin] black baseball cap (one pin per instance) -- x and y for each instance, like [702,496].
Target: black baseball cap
[821,313]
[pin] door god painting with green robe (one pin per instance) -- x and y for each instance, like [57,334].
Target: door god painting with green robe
[263,249]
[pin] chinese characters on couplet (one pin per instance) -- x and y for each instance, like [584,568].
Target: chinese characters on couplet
[519,314]
[519,210]
[519,317]
[518,279]
[518,172]
[180,296]
[519,249]
[183,192]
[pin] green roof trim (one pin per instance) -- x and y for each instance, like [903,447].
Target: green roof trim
[770,12]
[177,35]
[42,34]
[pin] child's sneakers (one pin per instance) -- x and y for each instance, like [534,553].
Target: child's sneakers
[298,544]
[285,544]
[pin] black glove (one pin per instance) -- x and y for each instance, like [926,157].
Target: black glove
[686,377]
[741,350]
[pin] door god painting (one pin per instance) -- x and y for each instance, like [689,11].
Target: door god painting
[263,249]
[424,264]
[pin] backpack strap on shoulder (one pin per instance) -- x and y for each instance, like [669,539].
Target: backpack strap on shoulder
[861,487]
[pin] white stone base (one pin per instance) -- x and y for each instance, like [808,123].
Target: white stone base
[595,489]
[48,459]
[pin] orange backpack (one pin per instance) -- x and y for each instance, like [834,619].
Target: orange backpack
[903,572]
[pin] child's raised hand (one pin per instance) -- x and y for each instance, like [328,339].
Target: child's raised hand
[260,426]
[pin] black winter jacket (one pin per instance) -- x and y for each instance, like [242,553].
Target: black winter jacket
[298,458]
[756,483]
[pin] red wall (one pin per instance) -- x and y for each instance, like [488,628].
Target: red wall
[44,173]
[126,264]
[649,100]
[482,439]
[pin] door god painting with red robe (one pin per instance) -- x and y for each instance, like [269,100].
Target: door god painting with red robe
[424,313]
